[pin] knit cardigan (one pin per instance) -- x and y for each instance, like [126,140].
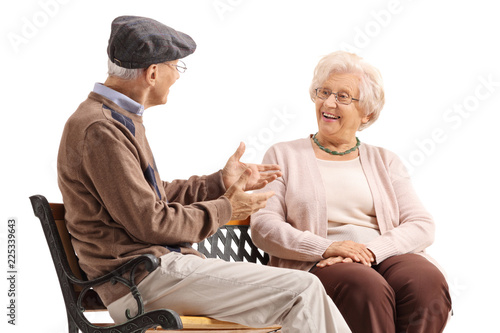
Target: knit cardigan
[292,228]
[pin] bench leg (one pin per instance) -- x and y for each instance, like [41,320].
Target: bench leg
[72,328]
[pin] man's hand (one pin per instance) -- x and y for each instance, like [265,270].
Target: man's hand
[245,204]
[261,175]
[349,249]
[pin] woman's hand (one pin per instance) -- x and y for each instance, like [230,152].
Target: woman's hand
[333,260]
[348,249]
[261,175]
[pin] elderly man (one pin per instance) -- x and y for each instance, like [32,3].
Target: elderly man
[118,207]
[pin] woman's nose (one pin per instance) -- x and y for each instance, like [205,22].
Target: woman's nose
[331,101]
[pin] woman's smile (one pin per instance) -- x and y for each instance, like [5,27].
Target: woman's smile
[330,117]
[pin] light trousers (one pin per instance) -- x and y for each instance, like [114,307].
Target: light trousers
[240,292]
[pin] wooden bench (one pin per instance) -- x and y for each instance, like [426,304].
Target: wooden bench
[79,296]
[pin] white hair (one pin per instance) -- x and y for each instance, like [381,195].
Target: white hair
[123,73]
[371,90]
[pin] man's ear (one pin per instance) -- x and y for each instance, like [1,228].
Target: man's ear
[152,74]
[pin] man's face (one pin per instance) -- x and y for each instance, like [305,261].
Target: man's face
[166,77]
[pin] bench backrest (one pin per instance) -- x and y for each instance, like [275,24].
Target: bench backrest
[63,255]
[232,242]
[58,215]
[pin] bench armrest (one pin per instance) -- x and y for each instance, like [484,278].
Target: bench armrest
[149,261]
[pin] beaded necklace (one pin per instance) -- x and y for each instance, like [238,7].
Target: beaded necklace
[336,152]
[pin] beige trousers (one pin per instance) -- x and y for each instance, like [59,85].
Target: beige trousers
[244,293]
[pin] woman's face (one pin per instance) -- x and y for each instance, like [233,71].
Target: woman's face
[337,121]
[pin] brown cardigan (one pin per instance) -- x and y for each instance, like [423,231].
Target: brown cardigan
[117,207]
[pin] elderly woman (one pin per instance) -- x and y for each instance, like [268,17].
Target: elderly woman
[347,212]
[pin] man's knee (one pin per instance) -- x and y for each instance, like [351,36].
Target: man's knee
[307,280]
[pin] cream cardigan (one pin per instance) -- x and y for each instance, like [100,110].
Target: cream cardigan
[292,228]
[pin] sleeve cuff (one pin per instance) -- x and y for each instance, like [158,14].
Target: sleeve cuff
[382,249]
[313,247]
[215,184]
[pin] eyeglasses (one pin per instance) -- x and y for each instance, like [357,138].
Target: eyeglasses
[180,68]
[341,97]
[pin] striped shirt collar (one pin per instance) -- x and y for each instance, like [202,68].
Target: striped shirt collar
[120,99]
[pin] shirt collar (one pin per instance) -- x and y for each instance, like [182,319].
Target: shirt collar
[120,99]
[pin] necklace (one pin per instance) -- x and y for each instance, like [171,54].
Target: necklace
[335,152]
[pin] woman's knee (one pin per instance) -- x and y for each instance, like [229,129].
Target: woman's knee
[420,287]
[360,292]
[414,275]
[356,282]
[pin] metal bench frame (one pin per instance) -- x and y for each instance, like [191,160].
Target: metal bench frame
[79,296]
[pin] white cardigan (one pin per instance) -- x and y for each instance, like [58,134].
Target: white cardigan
[292,228]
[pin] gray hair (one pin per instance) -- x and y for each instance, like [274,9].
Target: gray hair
[123,73]
[371,90]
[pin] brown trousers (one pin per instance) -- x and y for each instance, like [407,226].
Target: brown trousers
[404,293]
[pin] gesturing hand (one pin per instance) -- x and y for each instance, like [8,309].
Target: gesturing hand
[244,204]
[349,249]
[260,176]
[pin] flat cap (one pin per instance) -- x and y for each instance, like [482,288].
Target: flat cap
[137,42]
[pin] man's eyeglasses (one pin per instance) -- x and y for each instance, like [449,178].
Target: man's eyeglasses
[341,97]
[180,68]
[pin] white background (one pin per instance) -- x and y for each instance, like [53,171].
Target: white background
[248,81]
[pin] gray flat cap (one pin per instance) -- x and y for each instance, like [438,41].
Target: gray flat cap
[137,42]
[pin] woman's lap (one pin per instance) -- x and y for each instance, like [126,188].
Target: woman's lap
[369,298]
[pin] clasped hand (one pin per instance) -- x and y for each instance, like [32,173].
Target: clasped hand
[347,251]
[239,177]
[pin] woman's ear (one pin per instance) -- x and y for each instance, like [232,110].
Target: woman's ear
[367,118]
